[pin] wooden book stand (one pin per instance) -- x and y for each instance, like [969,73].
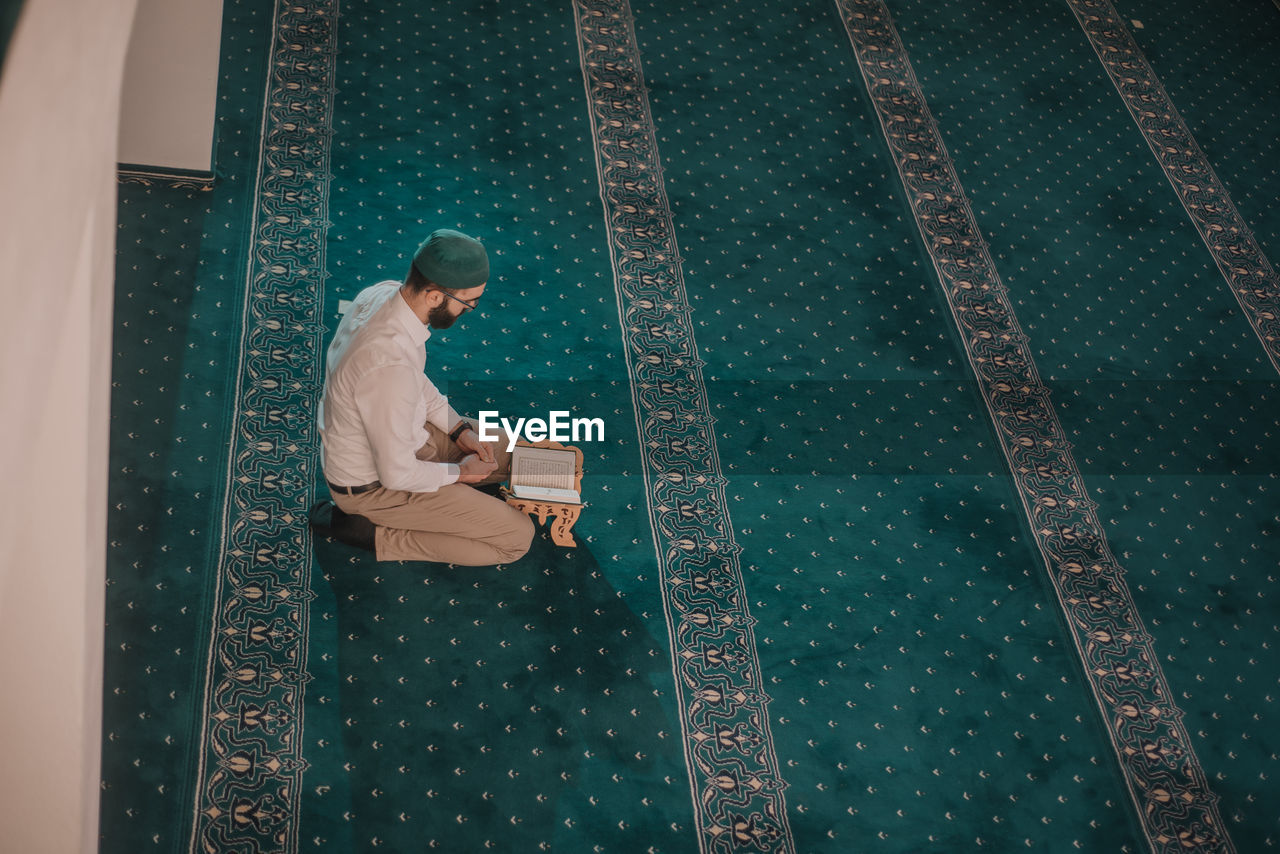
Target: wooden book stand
[564,515]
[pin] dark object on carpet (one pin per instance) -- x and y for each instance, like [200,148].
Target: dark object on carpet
[9,12]
[494,489]
[356,531]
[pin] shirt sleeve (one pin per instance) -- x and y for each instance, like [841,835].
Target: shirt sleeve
[439,412]
[453,418]
[390,400]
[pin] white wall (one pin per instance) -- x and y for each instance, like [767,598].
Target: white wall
[59,106]
[170,94]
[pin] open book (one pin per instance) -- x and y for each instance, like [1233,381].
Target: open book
[544,474]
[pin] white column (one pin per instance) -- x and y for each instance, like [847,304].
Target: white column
[59,109]
[170,91]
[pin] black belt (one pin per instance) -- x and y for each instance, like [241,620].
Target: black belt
[355,490]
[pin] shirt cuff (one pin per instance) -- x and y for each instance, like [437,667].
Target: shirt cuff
[452,418]
[451,473]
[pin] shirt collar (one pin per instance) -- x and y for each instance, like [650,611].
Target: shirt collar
[416,329]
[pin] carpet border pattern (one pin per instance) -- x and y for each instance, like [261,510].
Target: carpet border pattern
[1175,807]
[177,179]
[736,786]
[247,795]
[1252,279]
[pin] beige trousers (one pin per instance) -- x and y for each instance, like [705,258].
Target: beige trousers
[455,524]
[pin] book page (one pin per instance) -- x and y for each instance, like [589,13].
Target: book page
[543,467]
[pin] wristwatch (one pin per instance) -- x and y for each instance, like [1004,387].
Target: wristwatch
[459,430]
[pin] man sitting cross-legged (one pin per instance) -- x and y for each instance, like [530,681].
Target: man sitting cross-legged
[402,466]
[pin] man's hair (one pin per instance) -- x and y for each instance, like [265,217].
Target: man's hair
[417,283]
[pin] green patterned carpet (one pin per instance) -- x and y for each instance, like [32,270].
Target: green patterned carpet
[937,348]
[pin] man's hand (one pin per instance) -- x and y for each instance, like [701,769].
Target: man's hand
[470,442]
[472,469]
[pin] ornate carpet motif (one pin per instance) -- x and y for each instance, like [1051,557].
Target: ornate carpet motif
[738,789]
[250,746]
[176,180]
[1252,279]
[1174,803]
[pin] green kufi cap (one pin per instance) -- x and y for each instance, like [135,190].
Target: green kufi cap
[452,260]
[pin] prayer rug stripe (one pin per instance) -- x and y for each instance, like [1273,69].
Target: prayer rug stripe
[1252,279]
[736,784]
[1166,781]
[250,747]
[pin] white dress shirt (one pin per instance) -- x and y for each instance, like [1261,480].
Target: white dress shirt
[377,398]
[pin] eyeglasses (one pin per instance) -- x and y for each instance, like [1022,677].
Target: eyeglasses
[470,304]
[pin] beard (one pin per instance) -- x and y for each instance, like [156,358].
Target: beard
[440,317]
